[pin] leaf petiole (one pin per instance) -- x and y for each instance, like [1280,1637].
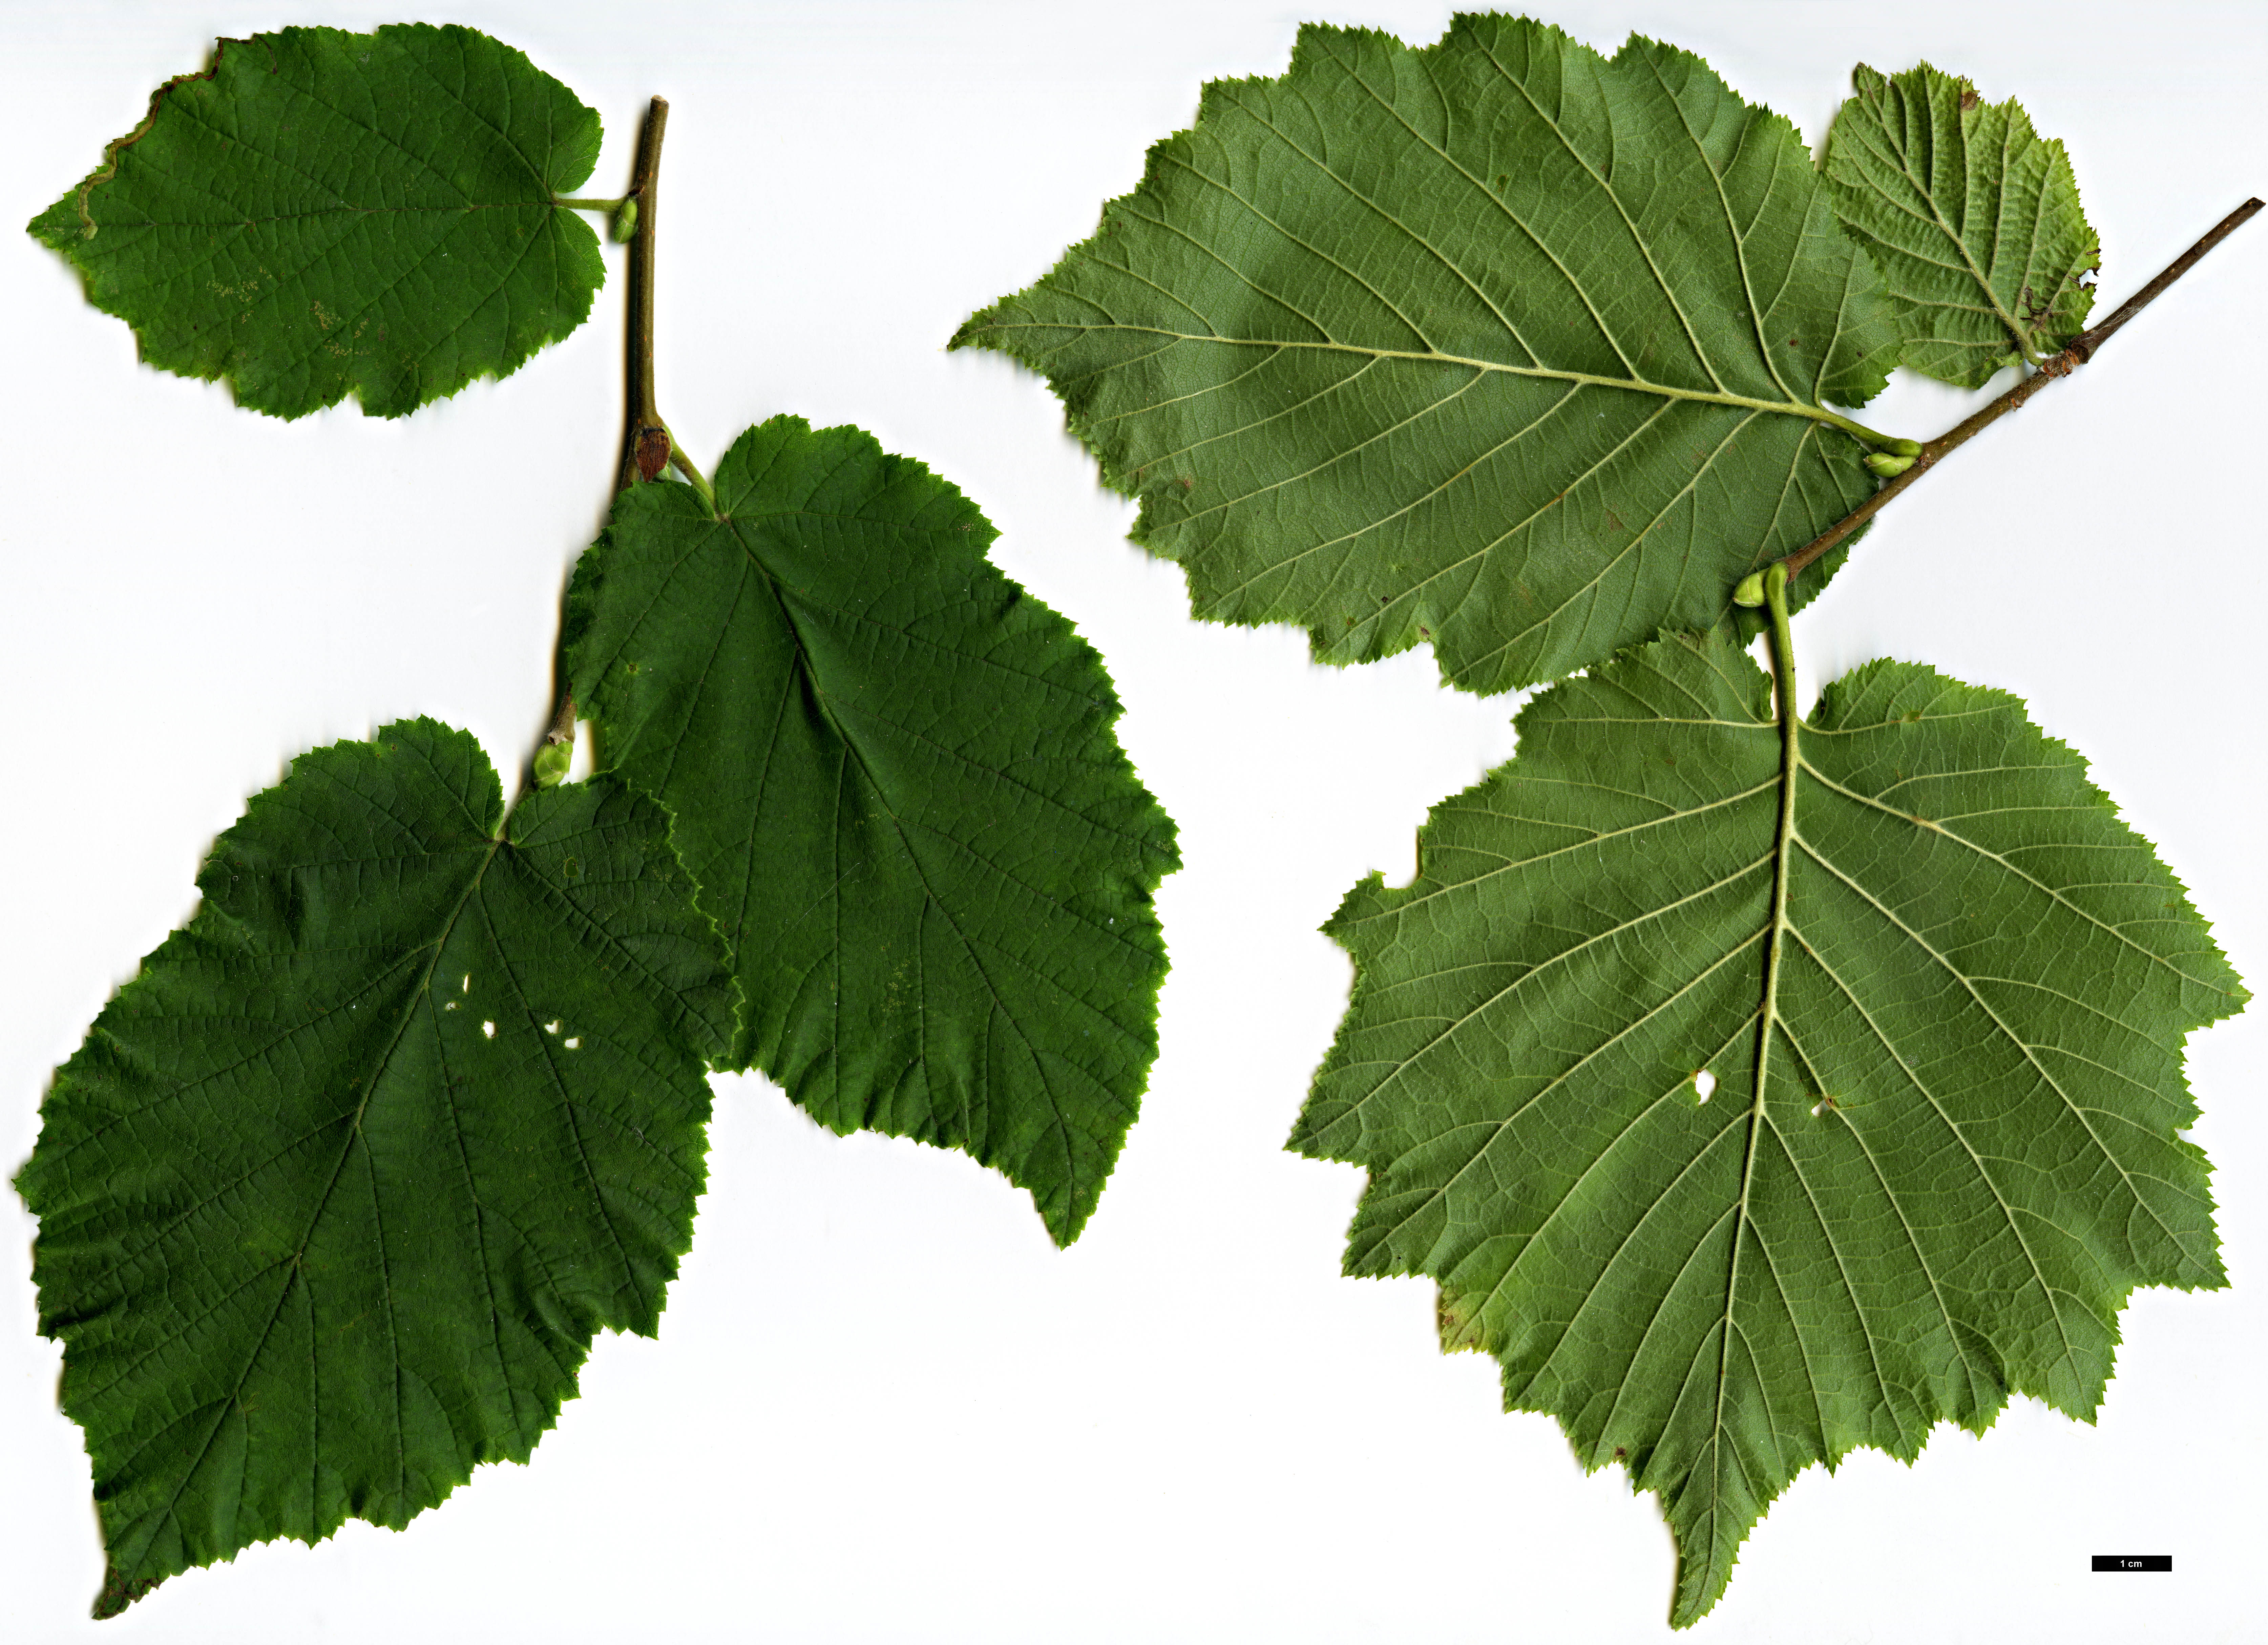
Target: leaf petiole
[1856,430]
[683,464]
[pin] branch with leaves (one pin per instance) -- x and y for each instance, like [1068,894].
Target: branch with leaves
[339,1189]
[1754,1087]
[1665,966]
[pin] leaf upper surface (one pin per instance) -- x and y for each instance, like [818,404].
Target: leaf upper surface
[1961,1156]
[1974,219]
[324,214]
[339,1188]
[895,779]
[1498,344]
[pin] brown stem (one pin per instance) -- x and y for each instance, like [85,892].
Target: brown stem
[2081,351]
[645,438]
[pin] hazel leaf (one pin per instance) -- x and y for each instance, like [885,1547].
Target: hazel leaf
[1500,345]
[1754,1097]
[1973,217]
[341,1186]
[894,778]
[322,214]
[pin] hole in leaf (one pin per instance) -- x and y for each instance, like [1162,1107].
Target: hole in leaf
[1704,1084]
[489,1029]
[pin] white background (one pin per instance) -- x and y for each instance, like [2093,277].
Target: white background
[882,1408]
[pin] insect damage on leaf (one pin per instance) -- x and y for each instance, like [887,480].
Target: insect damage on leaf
[322,214]
[894,774]
[1498,344]
[340,1187]
[1939,993]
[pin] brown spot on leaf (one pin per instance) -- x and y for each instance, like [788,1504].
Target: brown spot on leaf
[1969,98]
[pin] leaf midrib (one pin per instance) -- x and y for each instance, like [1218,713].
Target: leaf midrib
[1905,172]
[1776,937]
[1434,357]
[322,213]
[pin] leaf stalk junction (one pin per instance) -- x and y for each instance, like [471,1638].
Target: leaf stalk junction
[2082,349]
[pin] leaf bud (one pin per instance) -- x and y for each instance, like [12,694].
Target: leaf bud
[625,221]
[1904,448]
[1887,465]
[1750,589]
[551,762]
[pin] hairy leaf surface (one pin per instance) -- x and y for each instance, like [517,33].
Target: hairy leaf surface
[323,214]
[1974,219]
[895,779]
[339,1188]
[1498,344]
[1938,1152]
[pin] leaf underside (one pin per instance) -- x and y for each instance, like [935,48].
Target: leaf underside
[341,1186]
[323,214]
[895,779]
[1963,1158]
[1973,219]
[1498,344]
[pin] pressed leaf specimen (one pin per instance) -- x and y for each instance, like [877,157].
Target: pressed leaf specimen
[321,214]
[1754,1086]
[940,921]
[340,1187]
[1757,1088]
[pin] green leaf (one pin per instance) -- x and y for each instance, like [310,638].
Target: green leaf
[895,782]
[339,1188]
[1956,1158]
[1500,344]
[321,214]
[1974,220]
